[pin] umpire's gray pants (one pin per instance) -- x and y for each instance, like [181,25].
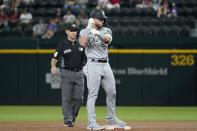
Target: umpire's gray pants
[72,85]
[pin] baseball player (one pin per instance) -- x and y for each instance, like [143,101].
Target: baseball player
[96,38]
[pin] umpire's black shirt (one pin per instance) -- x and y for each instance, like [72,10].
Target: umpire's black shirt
[73,54]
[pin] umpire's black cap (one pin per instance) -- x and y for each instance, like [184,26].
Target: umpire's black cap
[98,14]
[71,27]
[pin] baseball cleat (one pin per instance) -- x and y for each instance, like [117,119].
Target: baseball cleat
[95,127]
[117,121]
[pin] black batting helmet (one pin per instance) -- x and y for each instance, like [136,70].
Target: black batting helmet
[98,14]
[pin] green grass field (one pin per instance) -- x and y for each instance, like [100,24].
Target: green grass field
[53,113]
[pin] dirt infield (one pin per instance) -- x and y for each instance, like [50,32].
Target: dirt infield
[81,126]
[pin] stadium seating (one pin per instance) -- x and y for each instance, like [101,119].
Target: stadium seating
[128,21]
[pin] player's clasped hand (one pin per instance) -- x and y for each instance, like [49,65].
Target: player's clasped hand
[107,38]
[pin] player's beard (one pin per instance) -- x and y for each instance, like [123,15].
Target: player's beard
[99,26]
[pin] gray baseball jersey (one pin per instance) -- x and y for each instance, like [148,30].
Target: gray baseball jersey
[96,48]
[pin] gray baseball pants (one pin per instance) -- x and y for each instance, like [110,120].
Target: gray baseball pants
[72,85]
[100,74]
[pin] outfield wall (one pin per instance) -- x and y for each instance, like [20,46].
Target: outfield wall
[148,71]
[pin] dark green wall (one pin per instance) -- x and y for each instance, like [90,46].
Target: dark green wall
[23,76]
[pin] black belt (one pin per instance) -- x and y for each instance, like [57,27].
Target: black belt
[99,60]
[73,69]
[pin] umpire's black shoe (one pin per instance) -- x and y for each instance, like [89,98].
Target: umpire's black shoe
[70,124]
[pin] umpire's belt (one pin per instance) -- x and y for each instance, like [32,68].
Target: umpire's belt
[99,60]
[73,69]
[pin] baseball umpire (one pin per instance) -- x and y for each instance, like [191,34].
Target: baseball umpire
[96,38]
[73,58]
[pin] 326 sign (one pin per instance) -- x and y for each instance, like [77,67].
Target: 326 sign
[182,60]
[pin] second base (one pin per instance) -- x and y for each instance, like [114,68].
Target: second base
[116,127]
